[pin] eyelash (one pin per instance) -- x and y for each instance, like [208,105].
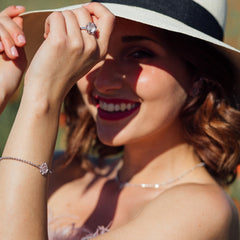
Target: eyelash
[141,54]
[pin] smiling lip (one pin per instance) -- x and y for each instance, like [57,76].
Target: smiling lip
[116,109]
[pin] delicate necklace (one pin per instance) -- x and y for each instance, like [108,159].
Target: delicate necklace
[159,185]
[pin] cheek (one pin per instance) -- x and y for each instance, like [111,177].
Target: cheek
[147,82]
[155,84]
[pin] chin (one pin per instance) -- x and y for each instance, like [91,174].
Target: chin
[110,138]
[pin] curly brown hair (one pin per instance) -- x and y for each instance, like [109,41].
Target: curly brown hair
[212,127]
[209,117]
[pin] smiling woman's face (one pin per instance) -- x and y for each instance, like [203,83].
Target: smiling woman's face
[137,92]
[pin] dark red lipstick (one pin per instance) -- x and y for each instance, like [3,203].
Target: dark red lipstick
[114,115]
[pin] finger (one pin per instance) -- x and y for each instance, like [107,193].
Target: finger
[13,11]
[104,20]
[18,21]
[15,32]
[55,26]
[72,25]
[83,17]
[8,43]
[101,14]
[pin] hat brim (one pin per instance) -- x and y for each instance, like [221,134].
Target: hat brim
[34,29]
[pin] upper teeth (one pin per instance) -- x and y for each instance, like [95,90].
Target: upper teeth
[111,107]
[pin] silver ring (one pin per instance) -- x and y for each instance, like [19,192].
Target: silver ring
[91,28]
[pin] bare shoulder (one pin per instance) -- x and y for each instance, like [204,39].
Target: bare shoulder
[201,210]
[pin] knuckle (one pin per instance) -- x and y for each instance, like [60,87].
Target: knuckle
[55,14]
[76,45]
[59,41]
[7,40]
[80,10]
[87,50]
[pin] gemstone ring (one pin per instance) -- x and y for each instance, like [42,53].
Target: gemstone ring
[91,28]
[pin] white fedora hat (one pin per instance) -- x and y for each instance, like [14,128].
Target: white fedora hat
[201,19]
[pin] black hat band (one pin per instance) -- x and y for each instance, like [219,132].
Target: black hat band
[186,11]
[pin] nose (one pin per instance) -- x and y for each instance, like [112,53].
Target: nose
[109,77]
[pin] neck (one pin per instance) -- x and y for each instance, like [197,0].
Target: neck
[156,161]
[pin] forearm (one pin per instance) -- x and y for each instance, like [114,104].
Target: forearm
[64,58]
[22,187]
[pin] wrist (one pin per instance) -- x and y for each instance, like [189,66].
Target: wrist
[40,101]
[45,91]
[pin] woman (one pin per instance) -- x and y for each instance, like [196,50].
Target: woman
[167,97]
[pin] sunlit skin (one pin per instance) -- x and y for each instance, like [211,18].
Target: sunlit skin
[135,94]
[141,68]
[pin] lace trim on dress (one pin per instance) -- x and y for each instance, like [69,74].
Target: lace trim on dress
[57,230]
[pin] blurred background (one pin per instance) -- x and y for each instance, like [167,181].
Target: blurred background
[232,37]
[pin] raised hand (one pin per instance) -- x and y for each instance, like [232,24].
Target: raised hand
[68,52]
[64,57]
[12,58]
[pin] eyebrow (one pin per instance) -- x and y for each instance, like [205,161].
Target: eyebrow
[137,38]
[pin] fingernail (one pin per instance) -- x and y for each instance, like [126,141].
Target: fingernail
[21,39]
[19,6]
[14,51]
[85,4]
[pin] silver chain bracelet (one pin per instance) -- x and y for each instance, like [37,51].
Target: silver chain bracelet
[44,170]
